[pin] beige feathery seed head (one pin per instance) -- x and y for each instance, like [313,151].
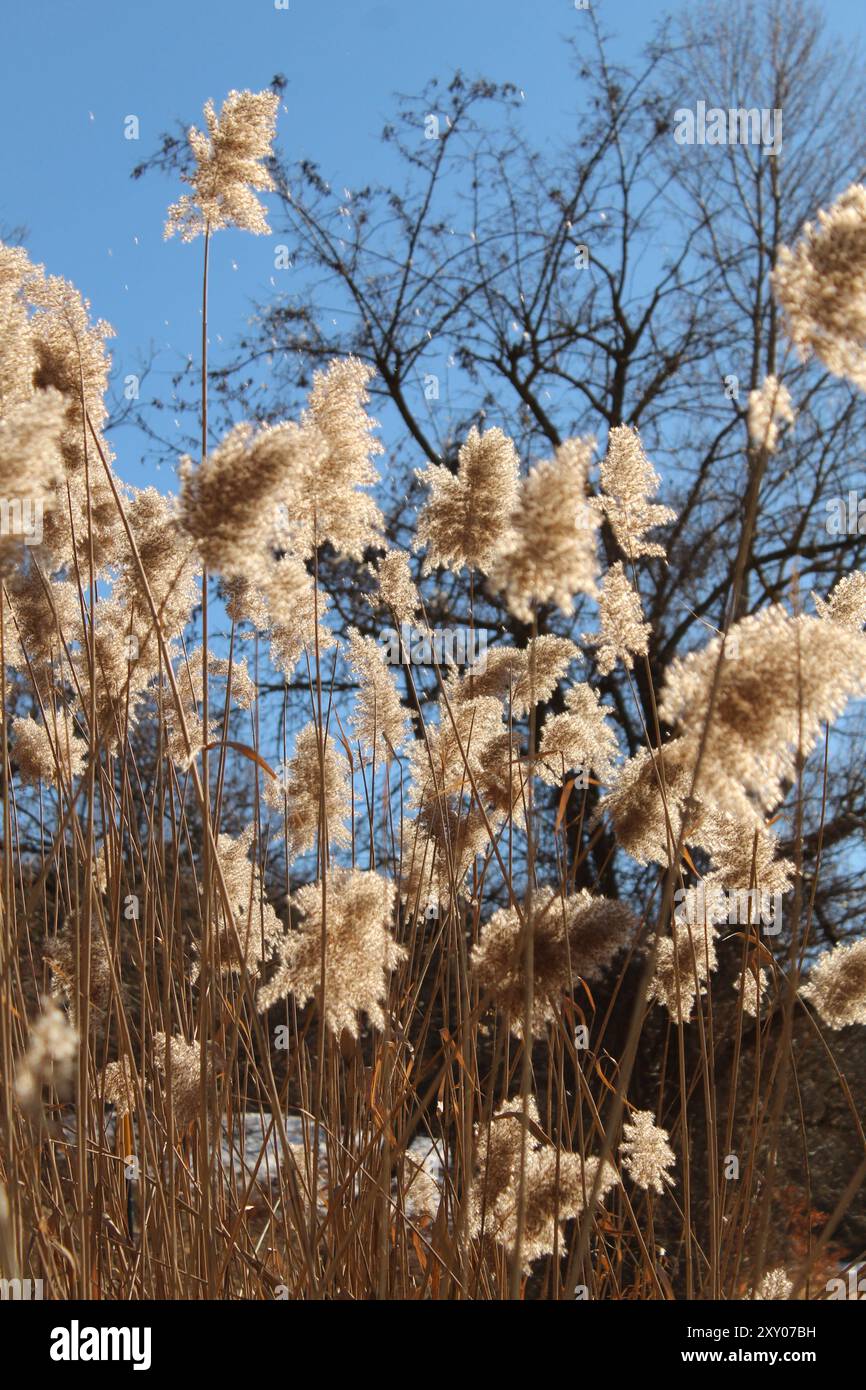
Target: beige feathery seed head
[580,738]
[119,1087]
[50,753]
[126,656]
[71,358]
[682,967]
[44,617]
[790,676]
[183,1067]
[325,498]
[454,747]
[548,553]
[287,605]
[49,1060]
[468,513]
[440,847]
[255,931]
[395,587]
[821,287]
[647,1155]
[229,162]
[624,634]
[229,503]
[379,721]
[769,405]
[775,1285]
[837,985]
[168,561]
[189,680]
[59,956]
[360,952]
[30,465]
[314,778]
[846,602]
[289,486]
[743,855]
[575,937]
[17,350]
[628,480]
[649,801]
[503,780]
[422,1193]
[558,1185]
[752,988]
[526,676]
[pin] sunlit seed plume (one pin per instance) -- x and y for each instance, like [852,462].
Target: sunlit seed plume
[189,681]
[454,748]
[252,934]
[121,673]
[360,952]
[624,634]
[45,621]
[769,406]
[575,937]
[50,1058]
[82,522]
[190,678]
[775,1285]
[503,780]
[325,495]
[742,855]
[313,778]
[185,1089]
[379,721]
[790,676]
[558,1186]
[246,603]
[628,480]
[60,958]
[395,587]
[548,553]
[580,738]
[752,987]
[467,514]
[71,358]
[30,464]
[119,1088]
[169,564]
[649,801]
[821,287]
[526,675]
[229,165]
[17,350]
[837,985]
[51,754]
[647,1156]
[846,603]
[228,503]
[284,603]
[422,1193]
[682,968]
[440,847]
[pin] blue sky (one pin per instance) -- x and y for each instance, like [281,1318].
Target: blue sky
[72,72]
